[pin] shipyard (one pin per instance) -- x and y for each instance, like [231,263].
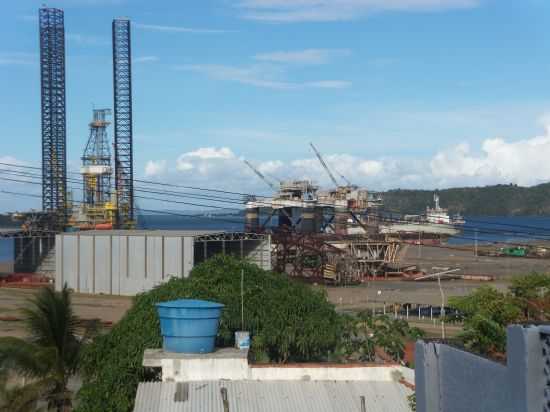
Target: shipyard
[156,255]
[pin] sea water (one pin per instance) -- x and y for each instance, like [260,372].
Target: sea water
[486,229]
[512,229]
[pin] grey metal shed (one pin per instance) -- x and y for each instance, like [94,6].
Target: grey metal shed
[126,262]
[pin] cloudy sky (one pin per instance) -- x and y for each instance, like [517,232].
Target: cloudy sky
[395,93]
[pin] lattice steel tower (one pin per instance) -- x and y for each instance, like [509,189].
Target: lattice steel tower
[122,83]
[52,76]
[96,162]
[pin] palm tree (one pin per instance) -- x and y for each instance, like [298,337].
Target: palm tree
[48,358]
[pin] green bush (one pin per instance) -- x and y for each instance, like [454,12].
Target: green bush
[288,320]
[487,312]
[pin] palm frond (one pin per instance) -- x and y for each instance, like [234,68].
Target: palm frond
[24,398]
[26,358]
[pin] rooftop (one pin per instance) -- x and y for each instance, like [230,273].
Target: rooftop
[280,396]
[160,232]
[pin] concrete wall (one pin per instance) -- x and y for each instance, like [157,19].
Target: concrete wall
[127,264]
[452,380]
[233,364]
[120,265]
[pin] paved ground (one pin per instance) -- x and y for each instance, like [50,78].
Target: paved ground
[426,257]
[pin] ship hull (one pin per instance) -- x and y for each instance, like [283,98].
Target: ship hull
[416,229]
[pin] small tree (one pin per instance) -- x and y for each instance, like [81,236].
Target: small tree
[532,294]
[486,314]
[363,334]
[48,358]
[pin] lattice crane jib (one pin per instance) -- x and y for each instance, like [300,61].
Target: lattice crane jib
[122,84]
[52,76]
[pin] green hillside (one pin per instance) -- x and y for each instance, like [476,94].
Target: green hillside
[499,200]
[6,221]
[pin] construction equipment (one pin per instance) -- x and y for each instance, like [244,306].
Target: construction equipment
[260,175]
[325,166]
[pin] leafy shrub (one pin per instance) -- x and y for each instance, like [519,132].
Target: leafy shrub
[486,313]
[288,321]
[362,334]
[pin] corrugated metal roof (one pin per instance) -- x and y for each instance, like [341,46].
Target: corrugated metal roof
[141,232]
[272,396]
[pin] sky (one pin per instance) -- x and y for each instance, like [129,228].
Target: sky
[395,93]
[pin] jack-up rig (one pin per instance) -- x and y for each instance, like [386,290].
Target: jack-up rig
[104,205]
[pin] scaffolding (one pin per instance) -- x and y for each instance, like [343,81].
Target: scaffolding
[122,84]
[52,76]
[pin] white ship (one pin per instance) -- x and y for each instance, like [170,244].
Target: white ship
[436,223]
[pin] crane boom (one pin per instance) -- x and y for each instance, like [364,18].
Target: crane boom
[260,174]
[324,165]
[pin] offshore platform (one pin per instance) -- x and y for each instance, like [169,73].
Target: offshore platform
[329,235]
[108,195]
[104,205]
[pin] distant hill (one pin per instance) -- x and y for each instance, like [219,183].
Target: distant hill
[499,200]
[5,222]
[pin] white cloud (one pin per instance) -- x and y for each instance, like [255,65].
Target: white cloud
[87,39]
[307,56]
[177,29]
[524,162]
[210,153]
[494,161]
[155,168]
[266,76]
[18,59]
[146,59]
[371,167]
[271,166]
[334,10]
[329,84]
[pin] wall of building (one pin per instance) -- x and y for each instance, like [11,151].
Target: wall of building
[127,263]
[7,255]
[228,363]
[452,380]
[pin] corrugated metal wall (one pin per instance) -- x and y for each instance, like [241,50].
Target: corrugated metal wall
[118,264]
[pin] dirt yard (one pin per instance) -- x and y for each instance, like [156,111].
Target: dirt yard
[106,308]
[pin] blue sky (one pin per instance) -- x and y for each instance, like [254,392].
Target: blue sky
[395,93]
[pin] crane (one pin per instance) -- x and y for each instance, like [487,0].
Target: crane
[324,165]
[328,170]
[260,175]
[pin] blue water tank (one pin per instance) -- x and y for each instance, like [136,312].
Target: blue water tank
[189,325]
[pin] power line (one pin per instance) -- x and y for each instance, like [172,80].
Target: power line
[220,199]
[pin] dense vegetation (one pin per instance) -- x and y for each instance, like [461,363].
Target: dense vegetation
[288,320]
[487,312]
[362,334]
[499,200]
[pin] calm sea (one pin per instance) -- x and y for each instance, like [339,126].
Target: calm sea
[486,229]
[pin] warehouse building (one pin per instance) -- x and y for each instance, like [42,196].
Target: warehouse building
[127,262]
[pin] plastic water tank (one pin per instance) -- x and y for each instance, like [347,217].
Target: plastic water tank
[189,325]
